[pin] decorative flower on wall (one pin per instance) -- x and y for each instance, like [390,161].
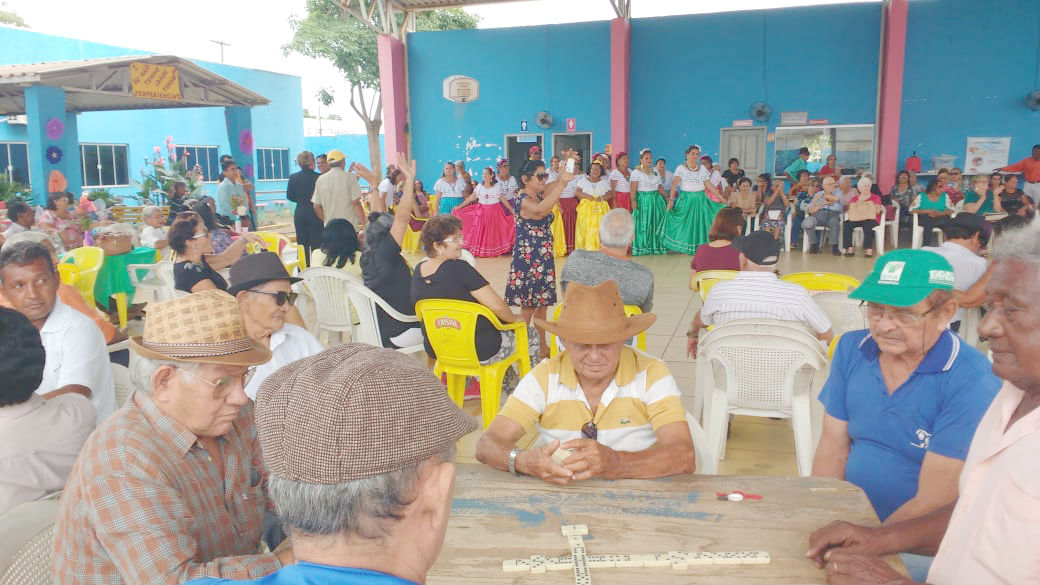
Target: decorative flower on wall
[245,141]
[54,155]
[248,171]
[54,128]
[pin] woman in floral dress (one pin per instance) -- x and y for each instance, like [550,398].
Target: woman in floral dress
[531,283]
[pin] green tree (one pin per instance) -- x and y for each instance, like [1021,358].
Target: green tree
[10,17]
[340,32]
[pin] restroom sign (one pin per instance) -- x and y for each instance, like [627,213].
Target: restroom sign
[523,125]
[572,124]
[461,89]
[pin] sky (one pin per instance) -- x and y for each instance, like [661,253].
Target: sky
[256,29]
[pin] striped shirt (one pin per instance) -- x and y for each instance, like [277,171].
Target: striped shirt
[642,398]
[146,503]
[761,295]
[622,185]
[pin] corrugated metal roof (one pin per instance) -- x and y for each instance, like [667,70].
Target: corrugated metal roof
[408,5]
[104,84]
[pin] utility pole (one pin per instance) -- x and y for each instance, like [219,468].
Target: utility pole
[222,45]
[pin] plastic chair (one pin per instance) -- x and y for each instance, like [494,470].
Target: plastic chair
[707,459]
[918,232]
[68,274]
[365,301]
[879,235]
[844,313]
[705,279]
[554,346]
[156,282]
[27,542]
[279,243]
[450,326]
[832,346]
[88,261]
[970,326]
[763,368]
[826,233]
[301,258]
[822,281]
[124,388]
[327,286]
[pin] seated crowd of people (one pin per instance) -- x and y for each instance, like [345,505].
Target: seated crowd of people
[250,452]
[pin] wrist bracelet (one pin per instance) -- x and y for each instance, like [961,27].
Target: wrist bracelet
[693,334]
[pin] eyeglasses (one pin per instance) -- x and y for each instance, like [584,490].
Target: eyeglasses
[589,430]
[204,234]
[542,176]
[225,384]
[280,297]
[874,312]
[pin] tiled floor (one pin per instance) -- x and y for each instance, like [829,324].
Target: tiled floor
[756,446]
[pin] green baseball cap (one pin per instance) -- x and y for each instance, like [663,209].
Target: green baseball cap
[902,278]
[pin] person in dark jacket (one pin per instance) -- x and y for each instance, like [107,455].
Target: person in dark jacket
[299,191]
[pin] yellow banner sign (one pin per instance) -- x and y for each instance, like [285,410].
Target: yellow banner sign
[161,82]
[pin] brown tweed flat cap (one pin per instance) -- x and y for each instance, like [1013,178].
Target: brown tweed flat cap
[354,411]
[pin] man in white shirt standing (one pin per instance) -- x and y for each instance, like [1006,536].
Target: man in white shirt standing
[153,235]
[757,293]
[77,358]
[264,293]
[962,244]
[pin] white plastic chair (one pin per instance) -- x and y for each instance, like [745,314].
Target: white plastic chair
[124,388]
[822,228]
[892,227]
[857,235]
[365,301]
[788,226]
[769,368]
[970,326]
[156,284]
[27,542]
[844,313]
[707,459]
[328,288]
[918,233]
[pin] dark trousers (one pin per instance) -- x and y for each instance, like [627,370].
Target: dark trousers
[929,223]
[868,226]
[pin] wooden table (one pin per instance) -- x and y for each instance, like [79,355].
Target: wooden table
[498,517]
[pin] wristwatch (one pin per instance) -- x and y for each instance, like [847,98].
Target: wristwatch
[512,460]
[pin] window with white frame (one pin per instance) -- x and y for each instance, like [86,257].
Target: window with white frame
[272,164]
[204,156]
[104,165]
[14,161]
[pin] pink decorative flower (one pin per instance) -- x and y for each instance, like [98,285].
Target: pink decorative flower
[248,171]
[157,150]
[173,157]
[169,139]
[54,128]
[245,141]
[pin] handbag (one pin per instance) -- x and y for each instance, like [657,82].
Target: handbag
[862,211]
[114,244]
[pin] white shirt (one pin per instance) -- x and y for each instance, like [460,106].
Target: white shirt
[716,179]
[488,195]
[288,344]
[622,185]
[387,189]
[150,235]
[16,228]
[568,191]
[553,175]
[762,295]
[507,187]
[597,189]
[968,267]
[446,189]
[77,354]
[692,180]
[646,182]
[666,180]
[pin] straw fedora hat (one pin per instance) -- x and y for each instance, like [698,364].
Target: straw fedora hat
[204,327]
[595,315]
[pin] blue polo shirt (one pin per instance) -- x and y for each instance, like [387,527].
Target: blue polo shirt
[936,410]
[313,574]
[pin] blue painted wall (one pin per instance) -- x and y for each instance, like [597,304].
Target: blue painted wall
[561,69]
[969,66]
[277,125]
[355,146]
[692,75]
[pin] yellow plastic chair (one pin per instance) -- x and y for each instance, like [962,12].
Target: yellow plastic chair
[301,258]
[554,347]
[68,273]
[451,327]
[279,243]
[88,261]
[705,279]
[822,281]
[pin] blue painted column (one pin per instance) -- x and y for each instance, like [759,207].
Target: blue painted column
[53,141]
[239,121]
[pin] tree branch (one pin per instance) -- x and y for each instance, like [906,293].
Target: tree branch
[361,114]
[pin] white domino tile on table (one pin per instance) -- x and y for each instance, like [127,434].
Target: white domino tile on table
[537,563]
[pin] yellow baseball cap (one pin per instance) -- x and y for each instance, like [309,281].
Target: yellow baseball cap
[335,155]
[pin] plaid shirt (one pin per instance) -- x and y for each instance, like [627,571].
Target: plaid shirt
[146,504]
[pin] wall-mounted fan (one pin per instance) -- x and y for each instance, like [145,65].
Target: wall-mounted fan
[1033,100]
[760,111]
[543,120]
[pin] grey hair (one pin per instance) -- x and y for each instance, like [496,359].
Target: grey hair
[616,229]
[25,253]
[27,236]
[363,507]
[864,182]
[149,210]
[142,368]
[1021,244]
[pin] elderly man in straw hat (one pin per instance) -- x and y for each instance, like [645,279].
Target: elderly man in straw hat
[360,444]
[170,487]
[615,409]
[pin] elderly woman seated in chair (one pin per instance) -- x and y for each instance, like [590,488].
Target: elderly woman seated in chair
[602,409]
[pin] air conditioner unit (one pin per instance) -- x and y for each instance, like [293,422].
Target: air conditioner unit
[17,120]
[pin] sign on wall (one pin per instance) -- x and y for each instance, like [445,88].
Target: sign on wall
[461,89]
[985,155]
[572,124]
[794,118]
[743,123]
[161,82]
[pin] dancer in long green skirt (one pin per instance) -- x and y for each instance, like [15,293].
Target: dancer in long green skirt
[689,216]
[648,207]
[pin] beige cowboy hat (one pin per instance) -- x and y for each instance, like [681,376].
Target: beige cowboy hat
[205,327]
[594,315]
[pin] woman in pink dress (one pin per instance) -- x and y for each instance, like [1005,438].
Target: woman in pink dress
[59,219]
[487,230]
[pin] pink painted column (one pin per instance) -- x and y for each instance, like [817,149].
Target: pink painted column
[395,94]
[893,55]
[620,62]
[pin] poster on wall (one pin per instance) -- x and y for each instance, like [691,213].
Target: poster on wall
[985,155]
[148,80]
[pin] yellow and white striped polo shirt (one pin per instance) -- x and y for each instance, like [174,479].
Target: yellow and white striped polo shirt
[642,398]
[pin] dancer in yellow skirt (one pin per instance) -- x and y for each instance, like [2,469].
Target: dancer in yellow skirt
[595,195]
[558,235]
